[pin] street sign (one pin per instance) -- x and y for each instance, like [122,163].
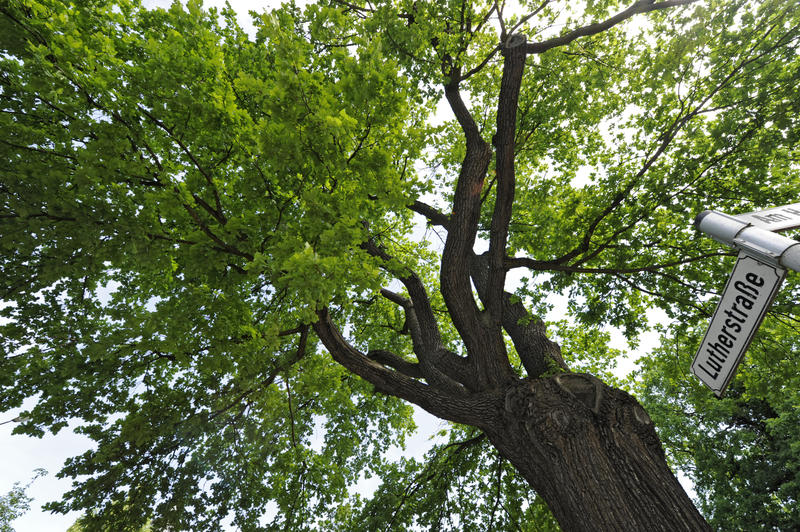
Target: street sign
[774,219]
[744,302]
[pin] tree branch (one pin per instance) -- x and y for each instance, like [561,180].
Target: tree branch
[463,116]
[663,141]
[434,216]
[437,364]
[392,360]
[497,492]
[269,379]
[223,246]
[411,320]
[429,335]
[529,16]
[430,472]
[513,68]
[216,213]
[485,348]
[526,262]
[477,68]
[593,29]
[473,409]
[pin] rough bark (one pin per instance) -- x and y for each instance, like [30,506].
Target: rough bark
[591,452]
[508,99]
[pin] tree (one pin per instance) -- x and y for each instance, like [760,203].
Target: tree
[16,502]
[209,250]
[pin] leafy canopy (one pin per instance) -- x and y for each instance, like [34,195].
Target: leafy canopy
[180,201]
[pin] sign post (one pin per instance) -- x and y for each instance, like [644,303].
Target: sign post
[764,258]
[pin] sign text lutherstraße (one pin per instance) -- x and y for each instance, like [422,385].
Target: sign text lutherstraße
[747,295]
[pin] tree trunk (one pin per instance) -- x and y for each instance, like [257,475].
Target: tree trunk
[591,452]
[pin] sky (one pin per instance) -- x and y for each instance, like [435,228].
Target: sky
[21,455]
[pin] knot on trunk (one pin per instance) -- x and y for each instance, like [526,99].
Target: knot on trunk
[514,40]
[623,414]
[587,389]
[641,416]
[582,388]
[555,407]
[566,406]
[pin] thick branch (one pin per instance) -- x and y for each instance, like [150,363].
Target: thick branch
[463,116]
[599,27]
[429,335]
[536,351]
[438,365]
[486,348]
[434,216]
[513,67]
[411,320]
[473,409]
[392,360]
[396,298]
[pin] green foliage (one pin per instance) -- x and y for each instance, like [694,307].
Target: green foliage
[459,485]
[175,195]
[643,139]
[741,451]
[179,199]
[586,350]
[16,502]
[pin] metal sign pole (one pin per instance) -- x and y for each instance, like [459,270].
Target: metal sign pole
[763,245]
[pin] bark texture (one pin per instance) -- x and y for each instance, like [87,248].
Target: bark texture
[592,453]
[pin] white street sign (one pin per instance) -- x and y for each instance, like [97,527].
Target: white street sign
[774,219]
[747,295]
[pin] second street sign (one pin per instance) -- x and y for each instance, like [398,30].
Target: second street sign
[774,219]
[747,295]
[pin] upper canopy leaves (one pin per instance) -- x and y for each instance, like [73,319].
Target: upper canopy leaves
[177,200]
